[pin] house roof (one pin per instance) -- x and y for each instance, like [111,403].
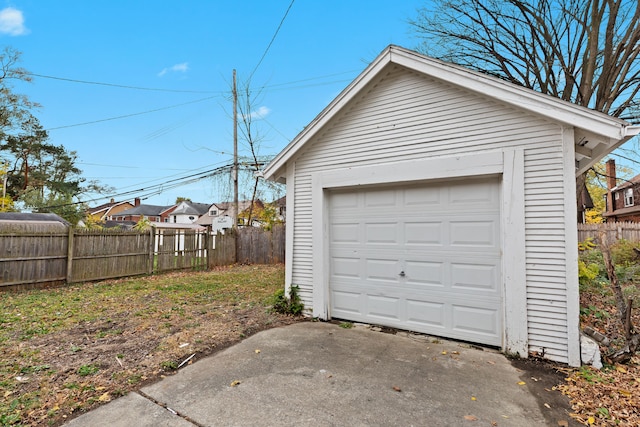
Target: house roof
[595,134]
[106,207]
[628,183]
[32,217]
[624,211]
[190,208]
[146,210]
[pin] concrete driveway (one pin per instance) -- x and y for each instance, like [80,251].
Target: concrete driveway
[320,374]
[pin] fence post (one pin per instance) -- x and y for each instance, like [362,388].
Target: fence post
[70,255]
[152,236]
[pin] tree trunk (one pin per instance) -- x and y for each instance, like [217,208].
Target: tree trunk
[632,340]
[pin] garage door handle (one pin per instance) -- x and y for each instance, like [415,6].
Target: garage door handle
[401,274]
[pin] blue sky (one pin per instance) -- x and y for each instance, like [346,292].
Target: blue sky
[188,50]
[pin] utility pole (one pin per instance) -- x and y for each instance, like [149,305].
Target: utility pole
[235,153]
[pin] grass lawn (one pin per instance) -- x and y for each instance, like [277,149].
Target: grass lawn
[66,350]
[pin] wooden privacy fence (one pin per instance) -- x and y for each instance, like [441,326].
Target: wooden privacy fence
[254,246]
[37,258]
[615,231]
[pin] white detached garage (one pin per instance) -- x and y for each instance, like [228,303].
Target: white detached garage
[431,198]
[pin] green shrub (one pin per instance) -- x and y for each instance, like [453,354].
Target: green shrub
[587,273]
[622,253]
[292,305]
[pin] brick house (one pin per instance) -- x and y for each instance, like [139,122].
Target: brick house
[623,200]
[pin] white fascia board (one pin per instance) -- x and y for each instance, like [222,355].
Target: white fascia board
[274,170]
[523,98]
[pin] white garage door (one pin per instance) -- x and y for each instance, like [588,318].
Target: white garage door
[425,258]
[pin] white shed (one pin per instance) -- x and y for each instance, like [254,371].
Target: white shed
[435,199]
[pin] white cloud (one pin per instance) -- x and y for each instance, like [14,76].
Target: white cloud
[260,113]
[12,22]
[179,68]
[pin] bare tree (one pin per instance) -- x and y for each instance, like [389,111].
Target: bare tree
[582,51]
[251,138]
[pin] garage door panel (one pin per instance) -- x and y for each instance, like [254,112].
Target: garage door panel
[341,201]
[474,277]
[423,233]
[473,233]
[381,233]
[473,193]
[423,196]
[425,273]
[380,198]
[346,233]
[382,269]
[425,258]
[346,302]
[426,313]
[475,320]
[383,307]
[345,267]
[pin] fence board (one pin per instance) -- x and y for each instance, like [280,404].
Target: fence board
[28,258]
[106,254]
[179,249]
[223,249]
[614,230]
[39,257]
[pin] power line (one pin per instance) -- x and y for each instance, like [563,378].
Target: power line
[153,189]
[131,115]
[624,157]
[117,85]
[272,39]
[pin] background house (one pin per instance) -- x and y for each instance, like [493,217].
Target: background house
[103,212]
[623,200]
[153,213]
[220,215]
[187,212]
[432,198]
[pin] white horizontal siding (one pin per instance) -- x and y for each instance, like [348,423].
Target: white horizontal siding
[403,116]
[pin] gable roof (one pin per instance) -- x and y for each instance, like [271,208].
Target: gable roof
[190,208]
[107,206]
[146,210]
[596,134]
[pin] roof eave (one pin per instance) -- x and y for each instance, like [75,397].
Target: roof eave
[612,130]
[275,171]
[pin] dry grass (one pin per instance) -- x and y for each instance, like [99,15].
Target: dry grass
[66,350]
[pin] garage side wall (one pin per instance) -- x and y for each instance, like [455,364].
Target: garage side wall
[404,116]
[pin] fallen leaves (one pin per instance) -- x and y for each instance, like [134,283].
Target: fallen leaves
[471,418]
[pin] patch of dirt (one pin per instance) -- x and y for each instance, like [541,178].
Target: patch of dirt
[542,378]
[93,363]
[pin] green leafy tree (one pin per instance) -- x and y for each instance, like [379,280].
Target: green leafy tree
[41,176]
[143,224]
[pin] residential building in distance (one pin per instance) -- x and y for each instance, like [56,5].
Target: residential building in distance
[103,212]
[623,203]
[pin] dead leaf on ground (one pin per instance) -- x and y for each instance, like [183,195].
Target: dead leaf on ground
[471,418]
